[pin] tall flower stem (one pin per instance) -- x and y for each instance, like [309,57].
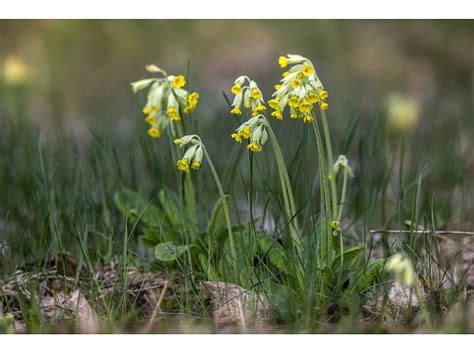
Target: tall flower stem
[189,193]
[226,212]
[343,194]
[330,161]
[326,211]
[287,191]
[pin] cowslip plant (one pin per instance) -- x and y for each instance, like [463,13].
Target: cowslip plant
[256,132]
[166,101]
[195,151]
[302,92]
[311,263]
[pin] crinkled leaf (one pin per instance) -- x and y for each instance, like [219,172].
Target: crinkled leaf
[371,272]
[168,252]
[150,238]
[217,221]
[274,251]
[131,203]
[349,255]
[207,267]
[170,206]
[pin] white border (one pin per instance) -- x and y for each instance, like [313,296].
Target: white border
[228,344]
[235,9]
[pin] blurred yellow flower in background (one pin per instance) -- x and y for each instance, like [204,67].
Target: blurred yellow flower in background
[403,112]
[15,71]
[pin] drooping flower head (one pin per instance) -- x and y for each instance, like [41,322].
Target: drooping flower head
[246,92]
[166,99]
[193,155]
[254,132]
[300,89]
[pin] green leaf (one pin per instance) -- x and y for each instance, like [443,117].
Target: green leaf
[150,238]
[370,273]
[132,204]
[170,207]
[207,268]
[274,252]
[168,252]
[349,255]
[217,221]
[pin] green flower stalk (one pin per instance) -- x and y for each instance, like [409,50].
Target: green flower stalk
[166,101]
[192,158]
[256,132]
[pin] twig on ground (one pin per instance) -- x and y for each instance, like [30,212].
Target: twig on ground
[444,232]
[157,307]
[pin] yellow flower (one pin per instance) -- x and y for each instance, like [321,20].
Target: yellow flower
[294,115]
[253,146]
[15,70]
[274,103]
[277,114]
[323,94]
[177,141]
[193,99]
[324,106]
[255,94]
[295,84]
[183,165]
[154,132]
[312,98]
[293,102]
[236,89]
[245,133]
[247,105]
[305,106]
[277,87]
[237,137]
[171,111]
[196,165]
[283,61]
[178,82]
[308,119]
[151,120]
[173,114]
[285,74]
[148,110]
[236,110]
[259,109]
[335,224]
[299,75]
[307,70]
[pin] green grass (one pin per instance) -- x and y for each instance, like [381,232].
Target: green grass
[60,194]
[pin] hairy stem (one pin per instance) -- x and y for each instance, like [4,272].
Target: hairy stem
[287,191]
[325,201]
[343,194]
[330,161]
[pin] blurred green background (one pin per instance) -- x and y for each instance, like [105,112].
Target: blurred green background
[81,69]
[407,81]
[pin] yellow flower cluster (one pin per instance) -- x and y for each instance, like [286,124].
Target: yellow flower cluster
[192,158]
[166,98]
[247,92]
[254,132]
[300,89]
